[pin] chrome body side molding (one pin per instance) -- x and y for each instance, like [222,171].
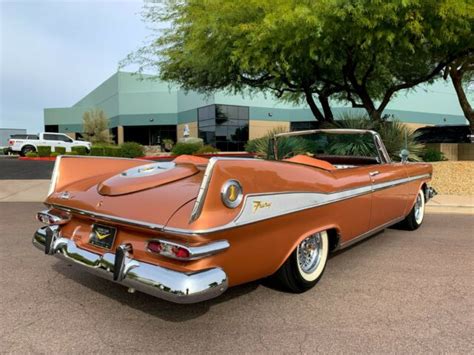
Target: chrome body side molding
[281,203]
[369,233]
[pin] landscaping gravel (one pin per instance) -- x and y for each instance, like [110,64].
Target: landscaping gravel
[453,177]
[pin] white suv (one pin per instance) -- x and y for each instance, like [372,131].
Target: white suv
[31,142]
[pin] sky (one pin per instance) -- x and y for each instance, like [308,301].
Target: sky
[52,53]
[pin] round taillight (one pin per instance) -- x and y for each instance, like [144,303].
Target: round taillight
[169,249]
[180,252]
[155,246]
[231,193]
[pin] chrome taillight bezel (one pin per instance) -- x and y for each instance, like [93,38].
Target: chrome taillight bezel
[194,252]
[51,219]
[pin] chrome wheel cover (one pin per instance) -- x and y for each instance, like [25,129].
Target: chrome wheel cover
[419,209]
[309,253]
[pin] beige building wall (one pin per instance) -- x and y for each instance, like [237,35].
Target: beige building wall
[454,151]
[258,128]
[120,135]
[193,130]
[466,151]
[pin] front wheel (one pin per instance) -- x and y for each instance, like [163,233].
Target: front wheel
[415,217]
[305,266]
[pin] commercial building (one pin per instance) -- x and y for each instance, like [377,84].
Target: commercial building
[147,111]
[5,134]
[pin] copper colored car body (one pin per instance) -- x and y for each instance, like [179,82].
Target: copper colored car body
[167,229]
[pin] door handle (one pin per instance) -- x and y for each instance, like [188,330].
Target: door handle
[374,173]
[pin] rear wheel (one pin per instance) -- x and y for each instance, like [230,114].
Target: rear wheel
[415,217]
[305,266]
[27,149]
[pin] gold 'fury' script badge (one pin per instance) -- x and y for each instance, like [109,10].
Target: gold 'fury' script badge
[260,204]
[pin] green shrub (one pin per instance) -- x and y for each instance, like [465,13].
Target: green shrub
[186,148]
[433,155]
[44,150]
[287,146]
[112,151]
[207,149]
[79,150]
[167,144]
[55,154]
[97,151]
[131,150]
[31,154]
[72,153]
[60,150]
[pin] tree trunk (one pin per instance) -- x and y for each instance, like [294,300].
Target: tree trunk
[324,100]
[312,105]
[463,101]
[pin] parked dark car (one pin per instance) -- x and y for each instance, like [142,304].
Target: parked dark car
[444,134]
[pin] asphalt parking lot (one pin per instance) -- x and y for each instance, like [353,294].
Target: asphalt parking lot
[395,292]
[12,168]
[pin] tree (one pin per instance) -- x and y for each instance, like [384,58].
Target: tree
[251,46]
[389,46]
[96,127]
[461,72]
[360,51]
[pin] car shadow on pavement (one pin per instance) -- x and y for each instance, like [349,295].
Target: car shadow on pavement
[156,307]
[165,310]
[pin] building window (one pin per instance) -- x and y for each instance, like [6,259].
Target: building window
[149,135]
[51,128]
[304,125]
[225,127]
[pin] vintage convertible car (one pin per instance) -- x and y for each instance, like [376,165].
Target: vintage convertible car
[186,230]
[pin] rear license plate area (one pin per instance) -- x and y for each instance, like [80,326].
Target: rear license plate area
[102,236]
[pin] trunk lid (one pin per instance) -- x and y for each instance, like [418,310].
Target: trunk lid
[148,193]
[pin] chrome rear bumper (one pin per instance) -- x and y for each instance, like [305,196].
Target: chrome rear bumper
[152,279]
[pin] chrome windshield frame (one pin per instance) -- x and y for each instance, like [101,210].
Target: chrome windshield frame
[384,157]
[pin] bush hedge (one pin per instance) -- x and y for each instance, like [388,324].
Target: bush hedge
[79,150]
[431,155]
[186,148]
[31,155]
[44,150]
[207,149]
[55,154]
[131,150]
[59,150]
[97,151]
[112,151]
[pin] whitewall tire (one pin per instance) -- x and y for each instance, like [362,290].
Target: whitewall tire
[305,266]
[417,214]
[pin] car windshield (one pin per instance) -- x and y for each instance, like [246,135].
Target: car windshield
[327,145]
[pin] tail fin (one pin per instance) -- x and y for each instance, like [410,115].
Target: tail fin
[70,169]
